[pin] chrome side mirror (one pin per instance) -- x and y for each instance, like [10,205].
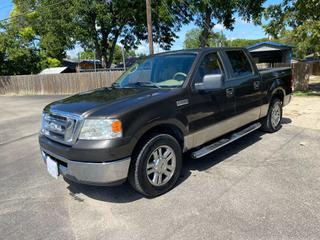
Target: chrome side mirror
[210,82]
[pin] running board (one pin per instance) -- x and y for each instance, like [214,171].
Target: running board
[216,145]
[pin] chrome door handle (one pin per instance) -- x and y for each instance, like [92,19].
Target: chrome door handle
[229,92]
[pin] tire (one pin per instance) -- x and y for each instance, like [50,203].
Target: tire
[151,174]
[272,122]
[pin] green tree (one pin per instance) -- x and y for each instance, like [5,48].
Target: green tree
[90,54]
[208,13]
[101,24]
[302,17]
[239,42]
[87,54]
[51,22]
[215,39]
[18,52]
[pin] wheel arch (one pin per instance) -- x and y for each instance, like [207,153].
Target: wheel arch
[161,128]
[278,92]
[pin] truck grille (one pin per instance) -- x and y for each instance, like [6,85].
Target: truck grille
[61,127]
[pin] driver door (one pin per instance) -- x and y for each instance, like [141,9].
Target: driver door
[210,107]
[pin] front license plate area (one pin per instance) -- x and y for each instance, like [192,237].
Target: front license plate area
[52,167]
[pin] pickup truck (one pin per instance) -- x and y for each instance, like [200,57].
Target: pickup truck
[138,129]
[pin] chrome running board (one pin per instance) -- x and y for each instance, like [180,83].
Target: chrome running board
[216,145]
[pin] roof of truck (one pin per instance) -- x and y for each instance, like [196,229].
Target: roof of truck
[195,50]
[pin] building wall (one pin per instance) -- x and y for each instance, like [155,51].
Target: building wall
[279,56]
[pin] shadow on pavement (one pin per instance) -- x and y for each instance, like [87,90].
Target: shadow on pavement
[221,154]
[286,120]
[125,193]
[118,194]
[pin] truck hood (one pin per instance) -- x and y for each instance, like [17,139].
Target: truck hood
[111,100]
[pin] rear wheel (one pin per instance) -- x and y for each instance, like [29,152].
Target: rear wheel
[272,122]
[156,167]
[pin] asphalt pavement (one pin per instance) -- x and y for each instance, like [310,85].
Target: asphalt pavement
[263,186]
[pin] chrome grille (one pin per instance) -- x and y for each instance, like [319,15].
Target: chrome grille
[61,127]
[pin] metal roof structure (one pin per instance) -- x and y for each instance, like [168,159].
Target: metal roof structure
[268,46]
[55,70]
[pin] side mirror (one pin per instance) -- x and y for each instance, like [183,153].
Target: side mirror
[210,82]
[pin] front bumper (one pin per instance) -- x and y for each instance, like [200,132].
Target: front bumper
[91,173]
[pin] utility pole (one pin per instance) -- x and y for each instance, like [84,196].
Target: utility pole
[149,22]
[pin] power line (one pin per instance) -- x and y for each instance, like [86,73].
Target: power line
[30,11]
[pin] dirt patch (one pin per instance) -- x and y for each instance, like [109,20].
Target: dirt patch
[303,112]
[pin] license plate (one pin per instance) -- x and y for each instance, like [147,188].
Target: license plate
[52,167]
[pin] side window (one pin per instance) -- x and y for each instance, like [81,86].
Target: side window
[239,63]
[209,65]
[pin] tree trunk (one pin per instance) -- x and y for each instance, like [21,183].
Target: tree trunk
[104,53]
[97,46]
[113,46]
[206,28]
[104,45]
[97,49]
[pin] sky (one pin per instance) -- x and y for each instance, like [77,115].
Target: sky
[242,29]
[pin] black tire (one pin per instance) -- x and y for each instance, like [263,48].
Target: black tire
[267,124]
[138,177]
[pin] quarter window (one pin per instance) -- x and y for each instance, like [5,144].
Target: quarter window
[240,63]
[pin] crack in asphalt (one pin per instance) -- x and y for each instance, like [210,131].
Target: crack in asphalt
[18,139]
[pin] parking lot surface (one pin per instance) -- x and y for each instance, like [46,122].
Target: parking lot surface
[263,186]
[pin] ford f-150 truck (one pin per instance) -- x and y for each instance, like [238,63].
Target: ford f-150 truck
[165,105]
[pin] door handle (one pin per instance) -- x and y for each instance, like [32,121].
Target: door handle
[256,85]
[229,92]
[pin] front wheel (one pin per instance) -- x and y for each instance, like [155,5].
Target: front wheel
[156,167]
[272,122]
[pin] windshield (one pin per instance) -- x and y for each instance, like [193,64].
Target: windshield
[158,71]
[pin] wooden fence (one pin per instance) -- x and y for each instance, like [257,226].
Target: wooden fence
[56,84]
[69,83]
[301,72]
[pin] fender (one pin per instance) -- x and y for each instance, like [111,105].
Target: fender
[172,122]
[274,90]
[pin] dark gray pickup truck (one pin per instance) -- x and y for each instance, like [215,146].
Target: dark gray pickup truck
[170,103]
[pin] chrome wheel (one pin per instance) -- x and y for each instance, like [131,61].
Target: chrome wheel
[161,165]
[276,115]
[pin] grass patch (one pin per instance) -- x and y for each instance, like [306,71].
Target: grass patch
[306,93]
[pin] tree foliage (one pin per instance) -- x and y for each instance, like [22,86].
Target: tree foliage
[52,27]
[18,54]
[102,24]
[208,13]
[90,54]
[215,39]
[300,16]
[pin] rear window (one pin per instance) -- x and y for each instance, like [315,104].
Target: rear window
[239,62]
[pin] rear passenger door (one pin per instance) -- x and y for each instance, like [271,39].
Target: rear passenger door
[247,84]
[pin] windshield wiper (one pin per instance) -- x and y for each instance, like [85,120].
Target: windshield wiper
[115,85]
[147,84]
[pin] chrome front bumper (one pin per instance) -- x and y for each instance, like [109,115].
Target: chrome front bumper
[100,174]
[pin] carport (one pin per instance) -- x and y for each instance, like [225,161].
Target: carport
[271,52]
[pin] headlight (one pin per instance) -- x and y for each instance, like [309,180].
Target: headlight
[101,129]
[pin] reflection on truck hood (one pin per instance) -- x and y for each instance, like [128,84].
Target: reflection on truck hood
[109,99]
